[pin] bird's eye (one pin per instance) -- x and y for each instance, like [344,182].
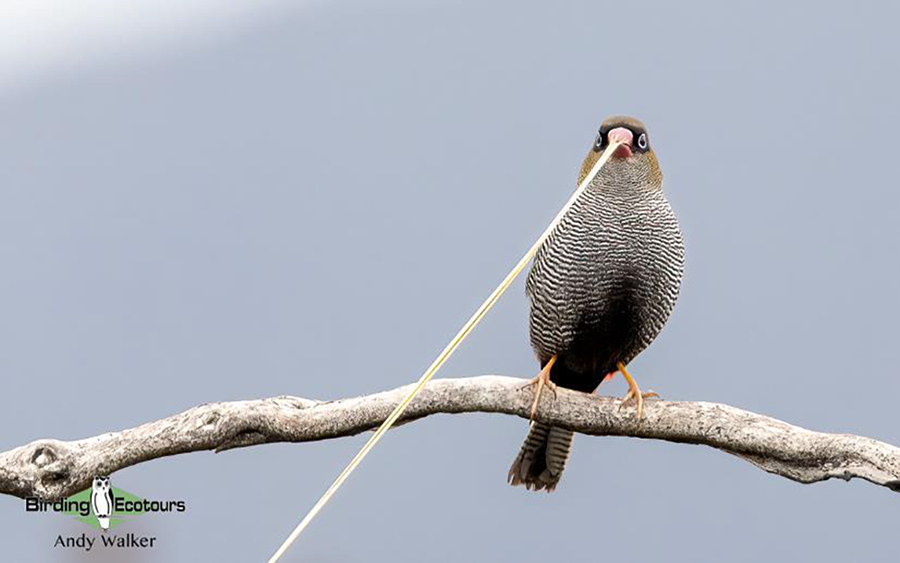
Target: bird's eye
[598,144]
[642,141]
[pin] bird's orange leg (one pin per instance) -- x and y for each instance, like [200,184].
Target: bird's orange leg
[540,381]
[634,392]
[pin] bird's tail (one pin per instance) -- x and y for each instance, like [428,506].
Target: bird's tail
[104,522]
[543,457]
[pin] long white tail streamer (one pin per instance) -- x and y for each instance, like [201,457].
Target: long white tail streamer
[439,361]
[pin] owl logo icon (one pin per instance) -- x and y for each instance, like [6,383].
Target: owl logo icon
[102,501]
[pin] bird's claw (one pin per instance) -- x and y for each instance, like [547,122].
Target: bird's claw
[537,393]
[634,393]
[539,382]
[638,398]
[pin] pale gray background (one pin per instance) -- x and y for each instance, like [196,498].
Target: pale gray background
[312,200]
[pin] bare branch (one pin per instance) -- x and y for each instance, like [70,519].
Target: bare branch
[53,469]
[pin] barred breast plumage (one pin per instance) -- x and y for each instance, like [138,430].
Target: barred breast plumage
[602,285]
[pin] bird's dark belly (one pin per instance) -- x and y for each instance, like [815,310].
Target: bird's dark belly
[606,334]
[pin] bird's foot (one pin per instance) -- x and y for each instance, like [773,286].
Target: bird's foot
[634,394]
[539,382]
[637,398]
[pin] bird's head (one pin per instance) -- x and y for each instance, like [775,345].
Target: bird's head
[633,160]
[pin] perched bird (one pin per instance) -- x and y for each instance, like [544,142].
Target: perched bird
[601,287]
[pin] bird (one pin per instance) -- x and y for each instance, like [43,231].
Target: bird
[601,287]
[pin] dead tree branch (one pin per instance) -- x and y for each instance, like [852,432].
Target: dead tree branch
[52,469]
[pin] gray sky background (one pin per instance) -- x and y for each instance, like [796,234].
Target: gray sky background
[312,199]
